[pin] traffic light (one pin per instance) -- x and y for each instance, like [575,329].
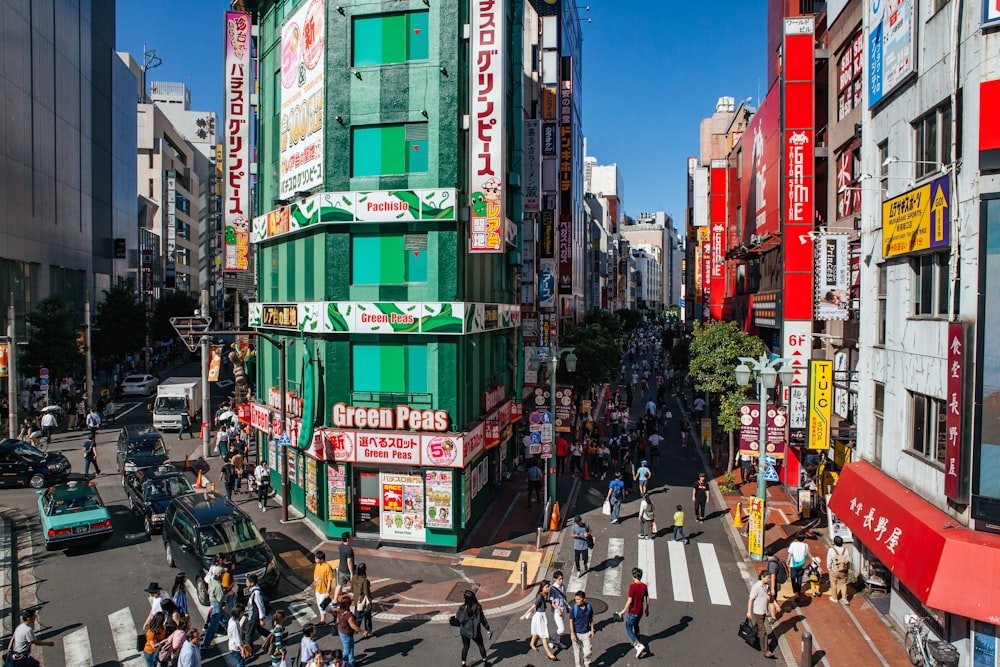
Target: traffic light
[239,372]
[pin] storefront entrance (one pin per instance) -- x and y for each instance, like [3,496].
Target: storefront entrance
[367,492]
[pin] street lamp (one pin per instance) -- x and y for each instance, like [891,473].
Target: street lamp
[553,362]
[766,374]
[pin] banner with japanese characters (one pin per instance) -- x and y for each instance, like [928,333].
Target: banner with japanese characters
[236,150]
[303,64]
[402,517]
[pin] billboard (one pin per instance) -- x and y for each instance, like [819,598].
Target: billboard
[170,230]
[236,202]
[717,245]
[891,46]
[820,403]
[303,48]
[531,167]
[832,271]
[487,163]
[546,282]
[917,220]
[953,487]
[760,176]
[566,183]
[991,12]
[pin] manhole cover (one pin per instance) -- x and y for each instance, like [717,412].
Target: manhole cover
[600,606]
[457,593]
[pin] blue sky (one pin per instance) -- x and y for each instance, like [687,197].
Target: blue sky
[652,69]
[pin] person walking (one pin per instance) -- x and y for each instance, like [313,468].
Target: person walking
[185,420]
[616,492]
[49,424]
[216,597]
[642,476]
[647,515]
[227,475]
[155,633]
[757,604]
[576,453]
[234,635]
[190,653]
[345,568]
[471,621]
[347,628]
[178,593]
[581,544]
[539,621]
[93,422]
[582,630]
[777,575]
[361,597]
[308,648]
[798,558]
[534,482]
[280,638]
[263,479]
[699,496]
[90,457]
[838,562]
[324,583]
[560,609]
[19,646]
[258,610]
[679,525]
[636,605]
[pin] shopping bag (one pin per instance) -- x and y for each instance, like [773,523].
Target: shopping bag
[654,528]
[606,508]
[748,633]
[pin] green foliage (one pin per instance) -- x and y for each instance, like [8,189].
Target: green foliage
[119,321]
[714,355]
[729,485]
[606,319]
[171,304]
[630,319]
[678,355]
[598,355]
[52,341]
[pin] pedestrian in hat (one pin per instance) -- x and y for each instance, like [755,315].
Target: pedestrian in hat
[581,544]
[642,476]
[616,492]
[155,594]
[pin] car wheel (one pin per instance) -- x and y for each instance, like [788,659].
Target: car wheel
[37,481]
[148,525]
[170,556]
[202,592]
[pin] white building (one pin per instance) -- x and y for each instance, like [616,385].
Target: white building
[648,277]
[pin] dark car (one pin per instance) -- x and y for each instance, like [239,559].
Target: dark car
[140,447]
[202,525]
[22,464]
[150,491]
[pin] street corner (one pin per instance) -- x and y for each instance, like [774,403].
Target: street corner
[507,558]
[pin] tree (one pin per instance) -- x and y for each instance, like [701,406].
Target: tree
[597,352]
[120,321]
[52,340]
[714,354]
[606,319]
[171,304]
[630,319]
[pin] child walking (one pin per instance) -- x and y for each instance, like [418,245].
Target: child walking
[679,525]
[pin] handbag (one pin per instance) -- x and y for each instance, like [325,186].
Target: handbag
[748,633]
[245,650]
[606,508]
[364,604]
[140,642]
[590,541]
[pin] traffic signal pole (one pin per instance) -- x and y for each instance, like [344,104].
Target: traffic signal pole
[206,398]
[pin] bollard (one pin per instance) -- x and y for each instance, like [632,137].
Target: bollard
[524,576]
[538,537]
[807,649]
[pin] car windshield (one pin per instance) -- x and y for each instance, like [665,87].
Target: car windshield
[167,487]
[170,403]
[147,448]
[236,534]
[29,452]
[74,503]
[133,378]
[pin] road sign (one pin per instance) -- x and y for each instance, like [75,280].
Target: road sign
[770,474]
[285,441]
[546,417]
[43,372]
[535,417]
[547,432]
[191,329]
[44,382]
[535,448]
[534,428]
[546,450]
[770,460]
[535,437]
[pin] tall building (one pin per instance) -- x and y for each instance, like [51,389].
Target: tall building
[385,259]
[65,154]
[653,229]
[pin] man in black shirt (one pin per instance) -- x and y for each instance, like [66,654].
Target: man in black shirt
[699,496]
[345,568]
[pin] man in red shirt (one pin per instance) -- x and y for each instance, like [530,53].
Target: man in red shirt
[562,451]
[637,604]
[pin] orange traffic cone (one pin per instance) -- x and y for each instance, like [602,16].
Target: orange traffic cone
[738,516]
[554,522]
[187,464]
[199,483]
[586,472]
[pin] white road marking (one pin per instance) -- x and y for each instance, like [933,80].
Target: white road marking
[577,583]
[679,572]
[119,415]
[123,630]
[613,574]
[302,611]
[647,563]
[76,648]
[713,574]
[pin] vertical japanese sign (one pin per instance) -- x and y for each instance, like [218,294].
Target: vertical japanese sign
[832,290]
[953,446]
[717,254]
[310,484]
[170,229]
[440,510]
[531,167]
[487,154]
[820,403]
[236,202]
[798,189]
[303,42]
[336,492]
[891,46]
[755,532]
[566,183]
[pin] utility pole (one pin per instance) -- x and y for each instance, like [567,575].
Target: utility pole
[12,397]
[89,353]
[206,399]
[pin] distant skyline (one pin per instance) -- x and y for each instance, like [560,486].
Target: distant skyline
[652,69]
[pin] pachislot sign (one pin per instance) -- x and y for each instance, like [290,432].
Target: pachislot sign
[236,201]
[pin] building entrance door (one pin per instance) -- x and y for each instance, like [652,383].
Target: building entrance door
[367,496]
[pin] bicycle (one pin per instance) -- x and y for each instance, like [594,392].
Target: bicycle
[925,652]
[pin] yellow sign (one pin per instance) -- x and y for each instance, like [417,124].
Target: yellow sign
[706,432]
[841,453]
[820,402]
[214,363]
[916,220]
[755,544]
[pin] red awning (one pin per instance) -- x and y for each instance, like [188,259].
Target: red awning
[945,564]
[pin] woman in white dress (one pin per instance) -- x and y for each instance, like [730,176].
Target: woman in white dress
[539,620]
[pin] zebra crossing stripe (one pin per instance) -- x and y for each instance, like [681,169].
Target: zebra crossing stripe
[76,648]
[647,563]
[302,611]
[577,583]
[713,574]
[613,575]
[123,632]
[679,572]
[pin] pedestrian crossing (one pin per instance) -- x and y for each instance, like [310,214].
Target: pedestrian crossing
[693,572]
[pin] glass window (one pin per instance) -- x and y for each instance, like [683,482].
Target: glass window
[390,38]
[384,150]
[930,288]
[384,259]
[932,139]
[883,284]
[929,427]
[389,368]
[879,413]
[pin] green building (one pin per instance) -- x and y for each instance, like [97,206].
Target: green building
[385,250]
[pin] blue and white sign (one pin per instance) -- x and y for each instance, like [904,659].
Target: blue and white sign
[991,12]
[284,441]
[535,438]
[770,460]
[770,474]
[891,46]
[546,282]
[546,417]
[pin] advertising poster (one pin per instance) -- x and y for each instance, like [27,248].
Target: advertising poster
[953,446]
[891,52]
[236,181]
[564,409]
[755,530]
[838,527]
[402,517]
[777,418]
[917,220]
[290,452]
[984,645]
[761,173]
[832,269]
[310,484]
[4,359]
[336,492]
[439,497]
[531,166]
[546,282]
[272,457]
[820,403]
[303,39]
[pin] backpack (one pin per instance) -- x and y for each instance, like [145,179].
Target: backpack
[841,562]
[780,572]
[587,610]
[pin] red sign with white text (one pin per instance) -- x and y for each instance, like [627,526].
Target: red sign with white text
[953,444]
[717,258]
[760,177]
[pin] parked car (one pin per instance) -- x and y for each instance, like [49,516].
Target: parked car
[24,465]
[150,492]
[72,514]
[138,385]
[140,447]
[197,527]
